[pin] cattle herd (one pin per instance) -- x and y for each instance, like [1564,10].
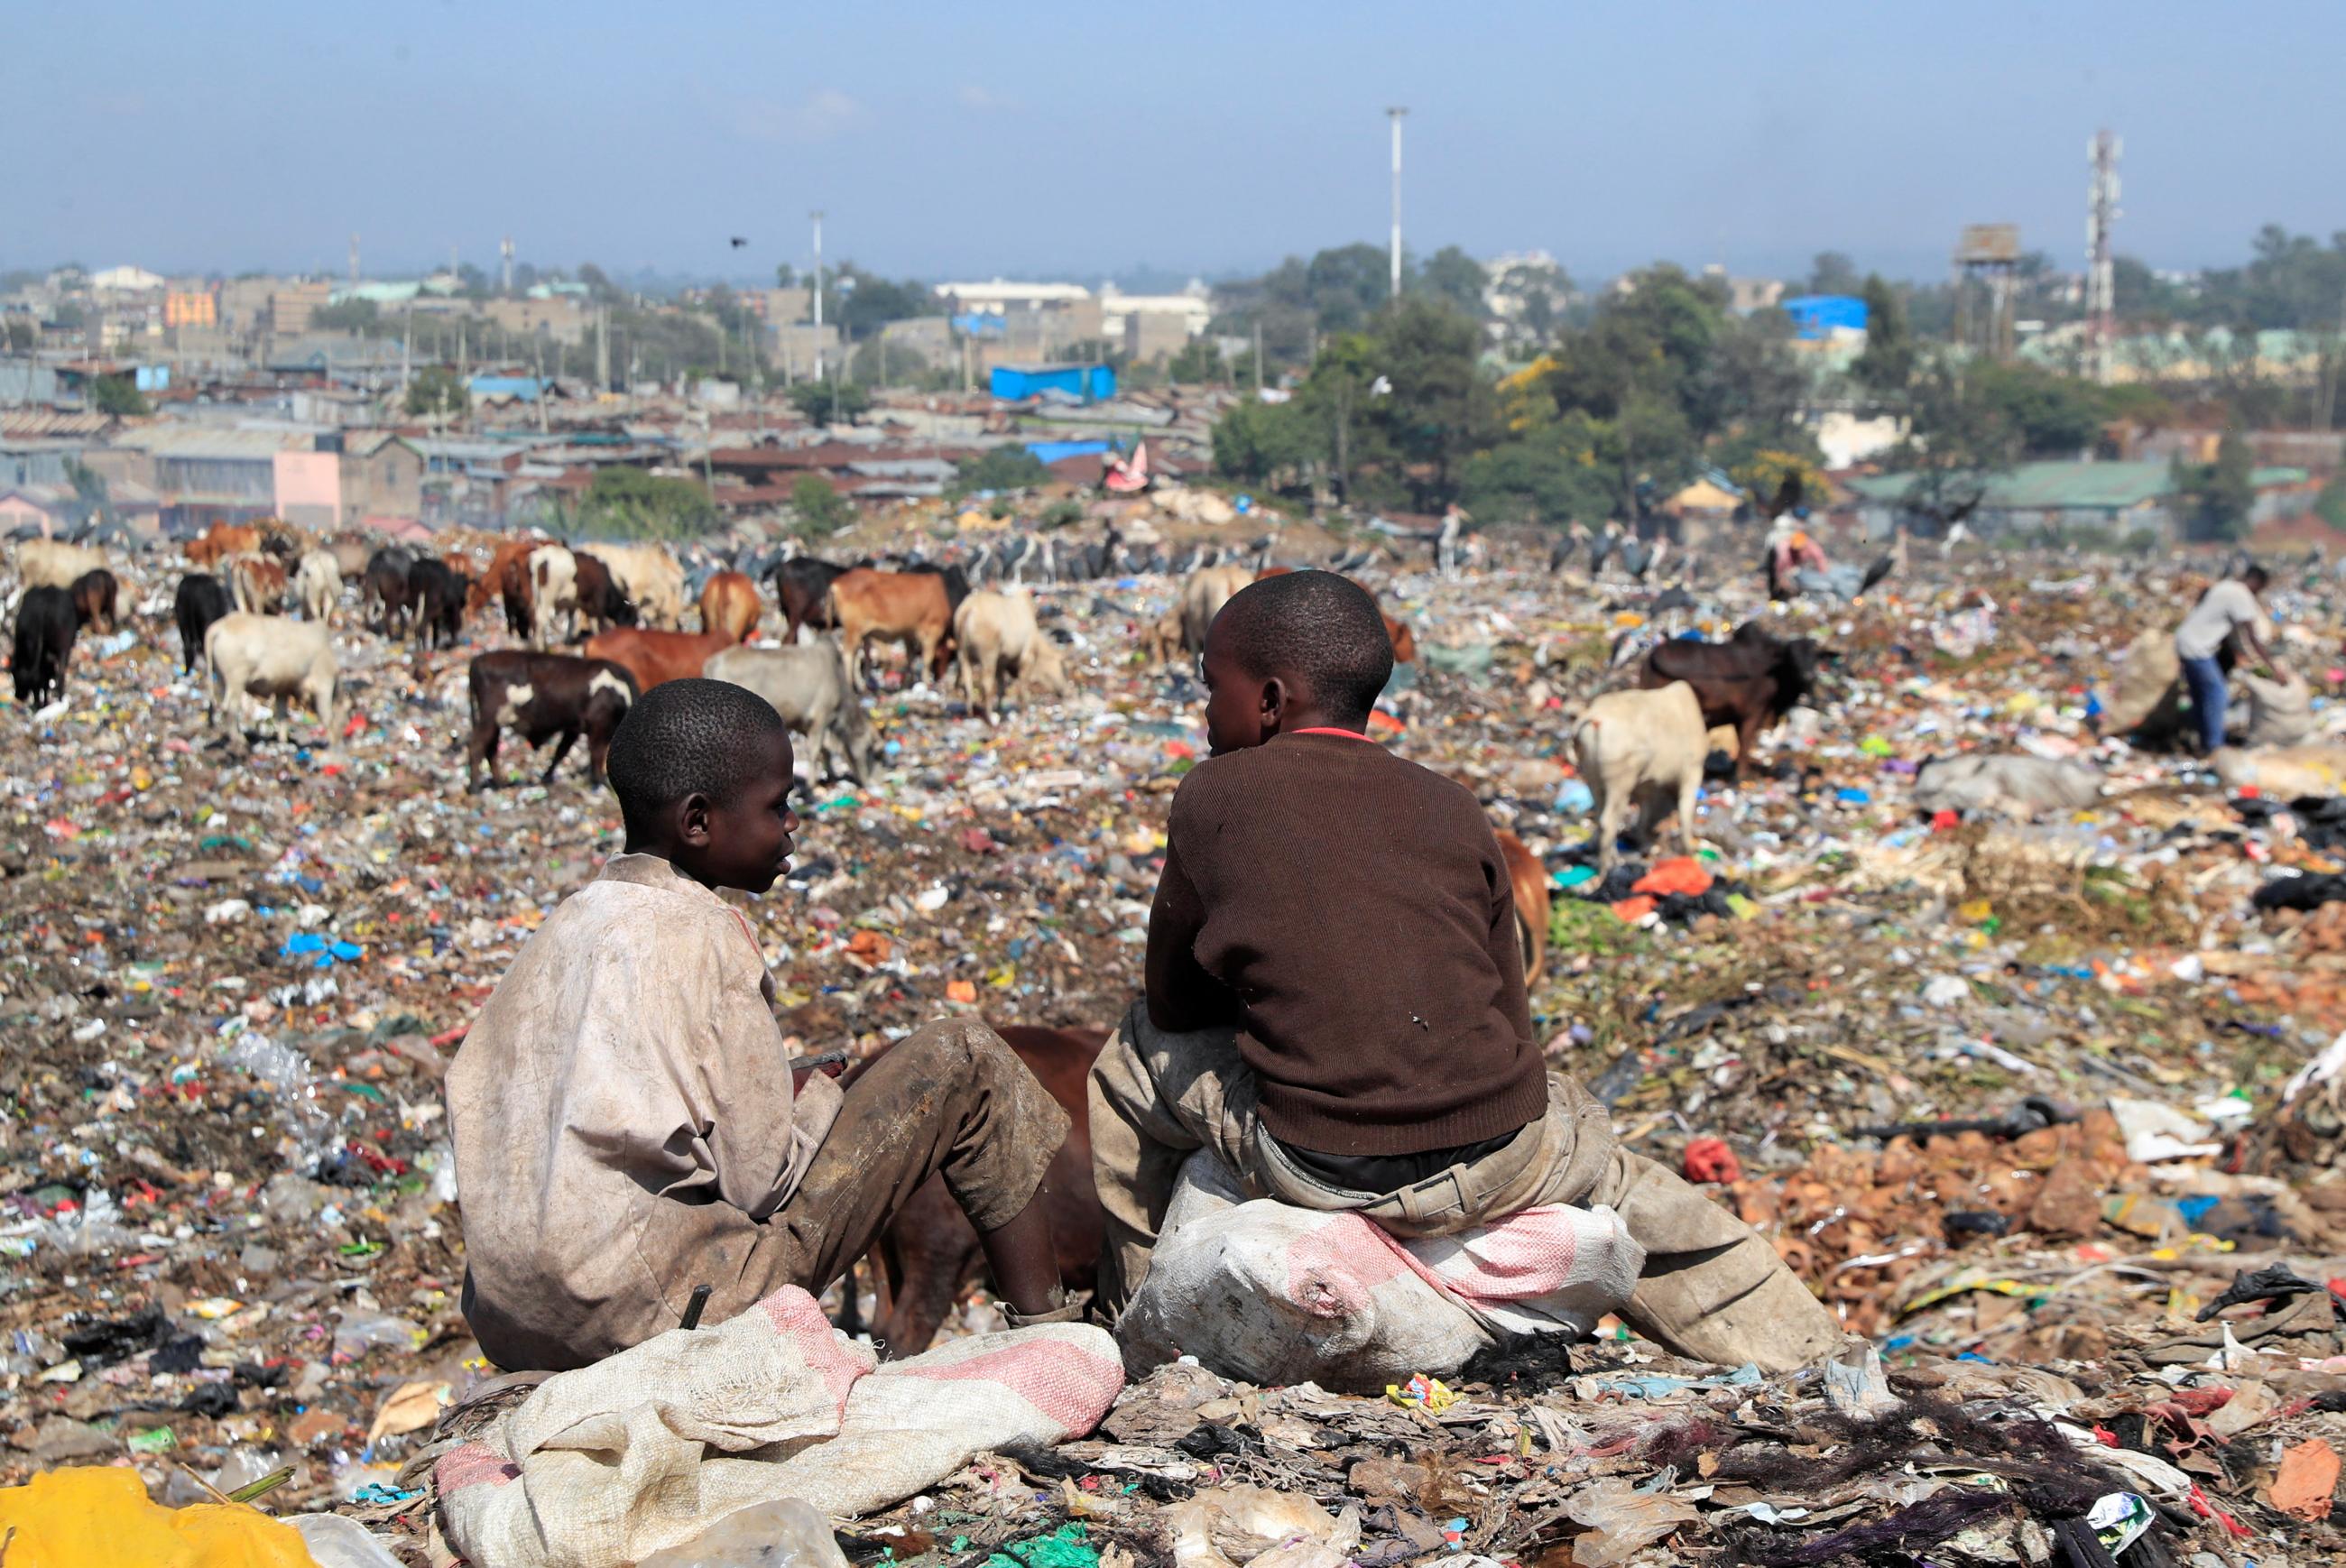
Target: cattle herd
[257,607]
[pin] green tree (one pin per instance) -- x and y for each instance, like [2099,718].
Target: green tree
[2217,497]
[822,511]
[1887,364]
[1000,468]
[1957,440]
[786,276]
[830,403]
[1261,444]
[1198,362]
[436,393]
[2050,414]
[1832,272]
[118,396]
[1435,407]
[1455,279]
[627,503]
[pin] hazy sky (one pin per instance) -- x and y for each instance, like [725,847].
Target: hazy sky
[1047,138]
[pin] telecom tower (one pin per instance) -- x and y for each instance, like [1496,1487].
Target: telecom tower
[505,261]
[2101,274]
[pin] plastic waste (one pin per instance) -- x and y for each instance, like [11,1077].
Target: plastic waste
[1621,1521]
[784,1533]
[339,1542]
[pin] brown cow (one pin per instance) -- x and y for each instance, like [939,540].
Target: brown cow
[1529,880]
[730,604]
[493,582]
[908,607]
[258,584]
[92,600]
[928,1251]
[221,541]
[601,601]
[1404,642]
[653,657]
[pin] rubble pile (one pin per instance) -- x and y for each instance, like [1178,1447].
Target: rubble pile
[2019,1085]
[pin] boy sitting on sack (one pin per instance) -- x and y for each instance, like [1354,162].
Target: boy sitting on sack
[1335,1003]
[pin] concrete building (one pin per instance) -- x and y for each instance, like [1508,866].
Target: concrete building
[291,306]
[559,319]
[382,477]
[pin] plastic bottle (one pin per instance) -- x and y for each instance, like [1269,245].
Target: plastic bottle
[783,1534]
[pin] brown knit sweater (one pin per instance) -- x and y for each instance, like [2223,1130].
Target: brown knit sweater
[1349,911]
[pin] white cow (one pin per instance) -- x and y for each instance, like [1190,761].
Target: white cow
[1001,645]
[272,657]
[650,578]
[1641,750]
[553,596]
[318,584]
[54,563]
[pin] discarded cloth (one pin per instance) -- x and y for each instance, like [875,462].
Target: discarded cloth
[98,1518]
[602,1466]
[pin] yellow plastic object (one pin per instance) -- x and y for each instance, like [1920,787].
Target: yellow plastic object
[101,1518]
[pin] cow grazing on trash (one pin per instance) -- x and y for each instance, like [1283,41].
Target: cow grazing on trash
[94,594]
[928,1251]
[42,644]
[802,585]
[653,657]
[651,579]
[273,659]
[602,603]
[730,604]
[318,584]
[807,687]
[384,584]
[219,542]
[1641,750]
[257,583]
[1001,648]
[1748,683]
[438,592]
[553,596]
[908,607]
[541,696]
[200,599]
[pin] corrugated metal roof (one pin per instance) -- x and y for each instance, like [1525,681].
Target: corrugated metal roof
[194,442]
[54,422]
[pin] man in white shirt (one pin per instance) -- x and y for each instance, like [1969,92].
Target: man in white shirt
[2228,609]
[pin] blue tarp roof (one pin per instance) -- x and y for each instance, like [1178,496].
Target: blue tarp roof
[1817,315]
[521,387]
[1052,451]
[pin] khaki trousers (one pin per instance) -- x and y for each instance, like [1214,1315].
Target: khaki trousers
[1712,1290]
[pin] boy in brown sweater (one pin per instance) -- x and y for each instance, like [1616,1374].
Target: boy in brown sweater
[1335,1003]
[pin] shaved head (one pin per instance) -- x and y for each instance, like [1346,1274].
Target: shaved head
[1315,631]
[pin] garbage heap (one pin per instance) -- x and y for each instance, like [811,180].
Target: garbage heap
[235,975]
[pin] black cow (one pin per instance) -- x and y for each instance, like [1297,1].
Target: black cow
[802,583]
[437,591]
[539,696]
[202,599]
[956,581]
[93,599]
[1749,682]
[384,582]
[45,625]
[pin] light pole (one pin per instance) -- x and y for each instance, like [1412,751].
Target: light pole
[1395,115]
[816,216]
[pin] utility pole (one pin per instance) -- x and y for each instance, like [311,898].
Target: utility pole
[355,260]
[816,216]
[1395,115]
[1258,359]
[2101,268]
[602,350]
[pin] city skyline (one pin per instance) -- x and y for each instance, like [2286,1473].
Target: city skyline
[1060,142]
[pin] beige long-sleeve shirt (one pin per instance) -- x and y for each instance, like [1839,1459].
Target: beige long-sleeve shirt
[623,1118]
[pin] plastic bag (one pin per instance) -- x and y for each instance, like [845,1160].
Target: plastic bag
[783,1534]
[102,1518]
